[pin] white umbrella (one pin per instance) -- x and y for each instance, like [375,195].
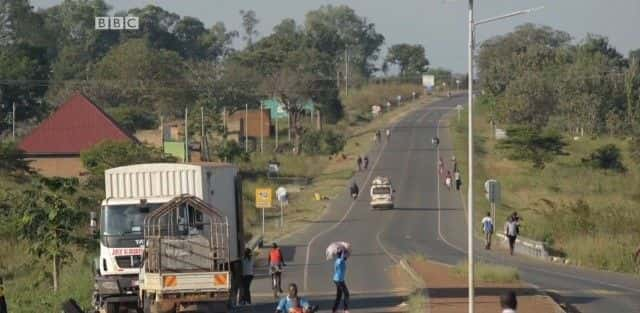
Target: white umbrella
[333,248]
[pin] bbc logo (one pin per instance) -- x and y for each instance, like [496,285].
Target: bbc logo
[117,22]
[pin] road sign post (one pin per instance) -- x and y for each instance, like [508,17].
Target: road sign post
[492,193]
[263,201]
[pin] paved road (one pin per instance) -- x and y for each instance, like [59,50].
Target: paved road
[428,219]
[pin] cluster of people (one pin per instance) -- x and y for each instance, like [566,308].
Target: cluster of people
[450,179]
[292,302]
[378,135]
[511,230]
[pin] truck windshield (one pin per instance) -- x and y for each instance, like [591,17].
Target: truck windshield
[118,220]
[381,190]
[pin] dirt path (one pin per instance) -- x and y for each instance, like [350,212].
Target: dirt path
[448,292]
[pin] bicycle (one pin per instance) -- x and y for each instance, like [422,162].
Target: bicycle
[276,279]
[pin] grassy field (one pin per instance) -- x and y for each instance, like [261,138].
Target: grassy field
[488,273]
[585,214]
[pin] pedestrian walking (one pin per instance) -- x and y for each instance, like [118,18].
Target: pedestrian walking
[458,178]
[637,254]
[517,219]
[388,134]
[3,302]
[365,162]
[359,162]
[511,231]
[247,277]
[447,180]
[440,167]
[378,135]
[487,228]
[508,302]
[342,292]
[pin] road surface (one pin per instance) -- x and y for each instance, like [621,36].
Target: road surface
[429,220]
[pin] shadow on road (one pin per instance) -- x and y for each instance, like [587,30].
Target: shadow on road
[369,304]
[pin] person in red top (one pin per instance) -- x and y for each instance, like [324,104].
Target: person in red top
[276,262]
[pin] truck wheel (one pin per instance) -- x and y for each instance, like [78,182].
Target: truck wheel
[113,307]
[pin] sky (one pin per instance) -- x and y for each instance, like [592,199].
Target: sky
[439,25]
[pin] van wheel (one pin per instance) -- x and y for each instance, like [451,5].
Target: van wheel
[113,307]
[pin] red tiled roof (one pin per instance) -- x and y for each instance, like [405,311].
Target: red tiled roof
[75,126]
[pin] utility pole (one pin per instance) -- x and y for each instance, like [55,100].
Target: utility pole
[224,120]
[246,129]
[186,134]
[346,72]
[277,118]
[261,130]
[289,125]
[13,121]
[470,222]
[203,151]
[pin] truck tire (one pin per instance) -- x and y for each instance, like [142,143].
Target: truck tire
[113,307]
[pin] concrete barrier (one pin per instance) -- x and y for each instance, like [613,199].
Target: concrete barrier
[526,246]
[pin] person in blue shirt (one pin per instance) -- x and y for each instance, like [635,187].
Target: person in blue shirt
[293,303]
[342,292]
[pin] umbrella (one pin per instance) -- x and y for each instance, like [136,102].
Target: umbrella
[333,248]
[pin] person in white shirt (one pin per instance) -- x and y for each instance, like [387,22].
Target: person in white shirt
[508,302]
[487,228]
[511,231]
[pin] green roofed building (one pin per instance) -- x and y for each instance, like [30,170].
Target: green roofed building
[277,108]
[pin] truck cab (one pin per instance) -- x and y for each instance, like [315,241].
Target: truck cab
[131,194]
[381,193]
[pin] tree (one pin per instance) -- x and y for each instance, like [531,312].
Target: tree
[249,23]
[217,42]
[334,29]
[231,151]
[411,59]
[12,158]
[110,154]
[531,145]
[607,157]
[134,74]
[632,93]
[133,118]
[156,25]
[529,100]
[634,54]
[47,221]
[190,33]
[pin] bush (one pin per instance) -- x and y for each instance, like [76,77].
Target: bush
[607,157]
[110,154]
[322,142]
[133,118]
[634,148]
[231,151]
[531,145]
[12,158]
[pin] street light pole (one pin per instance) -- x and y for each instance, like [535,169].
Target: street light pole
[470,269]
[472,29]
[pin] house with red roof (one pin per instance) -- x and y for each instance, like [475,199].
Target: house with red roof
[54,146]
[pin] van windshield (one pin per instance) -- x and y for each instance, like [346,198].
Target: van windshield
[128,219]
[381,190]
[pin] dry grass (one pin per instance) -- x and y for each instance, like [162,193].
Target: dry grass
[603,236]
[489,273]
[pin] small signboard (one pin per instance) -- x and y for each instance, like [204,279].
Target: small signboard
[263,198]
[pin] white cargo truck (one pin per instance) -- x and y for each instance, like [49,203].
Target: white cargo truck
[381,193]
[131,192]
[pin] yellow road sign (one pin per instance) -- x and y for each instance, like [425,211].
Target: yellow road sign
[263,198]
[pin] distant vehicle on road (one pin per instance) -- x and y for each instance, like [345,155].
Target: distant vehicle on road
[382,193]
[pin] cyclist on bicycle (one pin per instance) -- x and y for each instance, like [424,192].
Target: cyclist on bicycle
[294,304]
[276,262]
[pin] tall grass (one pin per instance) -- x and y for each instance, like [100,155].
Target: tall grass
[417,303]
[28,285]
[585,214]
[489,273]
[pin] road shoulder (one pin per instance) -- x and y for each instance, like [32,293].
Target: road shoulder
[447,292]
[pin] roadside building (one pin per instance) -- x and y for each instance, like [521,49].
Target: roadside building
[53,147]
